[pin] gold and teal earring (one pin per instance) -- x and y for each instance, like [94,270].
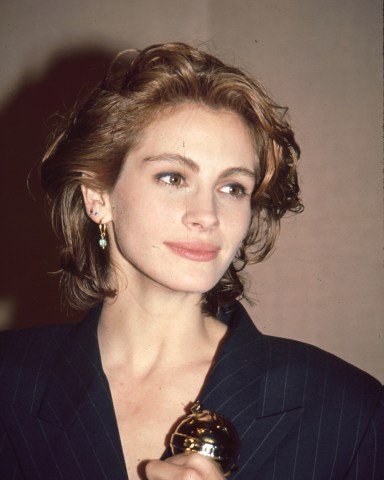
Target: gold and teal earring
[103,236]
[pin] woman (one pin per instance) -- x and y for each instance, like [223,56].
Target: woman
[169,179]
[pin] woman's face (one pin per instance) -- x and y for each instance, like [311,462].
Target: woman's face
[181,205]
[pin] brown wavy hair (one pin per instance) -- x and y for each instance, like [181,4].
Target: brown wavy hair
[95,137]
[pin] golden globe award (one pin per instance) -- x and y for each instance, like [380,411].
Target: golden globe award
[209,434]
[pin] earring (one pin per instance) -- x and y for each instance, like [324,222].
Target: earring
[103,233]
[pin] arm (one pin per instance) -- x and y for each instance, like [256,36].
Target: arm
[368,461]
[9,466]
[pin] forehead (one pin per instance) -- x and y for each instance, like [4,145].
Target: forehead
[191,128]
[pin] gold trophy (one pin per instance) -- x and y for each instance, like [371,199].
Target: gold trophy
[209,434]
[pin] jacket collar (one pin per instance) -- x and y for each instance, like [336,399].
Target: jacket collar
[247,384]
[78,399]
[76,375]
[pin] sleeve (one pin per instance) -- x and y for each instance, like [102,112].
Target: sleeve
[368,462]
[9,466]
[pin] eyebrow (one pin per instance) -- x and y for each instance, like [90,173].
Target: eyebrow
[238,171]
[175,158]
[194,167]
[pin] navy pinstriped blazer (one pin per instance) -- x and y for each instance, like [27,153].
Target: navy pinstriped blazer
[301,413]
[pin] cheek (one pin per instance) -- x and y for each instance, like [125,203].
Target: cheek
[124,207]
[138,217]
[238,224]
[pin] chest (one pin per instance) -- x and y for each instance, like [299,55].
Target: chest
[147,413]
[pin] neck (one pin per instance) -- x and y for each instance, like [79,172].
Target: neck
[147,328]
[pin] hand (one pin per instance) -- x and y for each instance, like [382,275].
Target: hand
[186,466]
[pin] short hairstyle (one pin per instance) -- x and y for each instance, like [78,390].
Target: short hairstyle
[96,135]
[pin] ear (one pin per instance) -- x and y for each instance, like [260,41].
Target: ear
[97,205]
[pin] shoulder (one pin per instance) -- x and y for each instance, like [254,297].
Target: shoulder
[25,356]
[30,359]
[320,375]
[312,360]
[28,344]
[303,368]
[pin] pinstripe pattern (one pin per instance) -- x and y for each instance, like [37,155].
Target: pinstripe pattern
[300,412]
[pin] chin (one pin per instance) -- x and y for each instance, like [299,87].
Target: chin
[178,278]
[192,285]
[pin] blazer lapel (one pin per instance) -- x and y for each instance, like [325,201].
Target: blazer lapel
[78,400]
[248,384]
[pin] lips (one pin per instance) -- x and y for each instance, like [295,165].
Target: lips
[196,251]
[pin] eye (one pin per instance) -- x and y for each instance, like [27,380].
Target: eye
[234,189]
[171,179]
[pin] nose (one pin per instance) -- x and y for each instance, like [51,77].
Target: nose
[201,212]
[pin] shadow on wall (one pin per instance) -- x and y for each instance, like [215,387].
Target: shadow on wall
[29,295]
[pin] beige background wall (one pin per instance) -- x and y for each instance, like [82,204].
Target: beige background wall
[324,284]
